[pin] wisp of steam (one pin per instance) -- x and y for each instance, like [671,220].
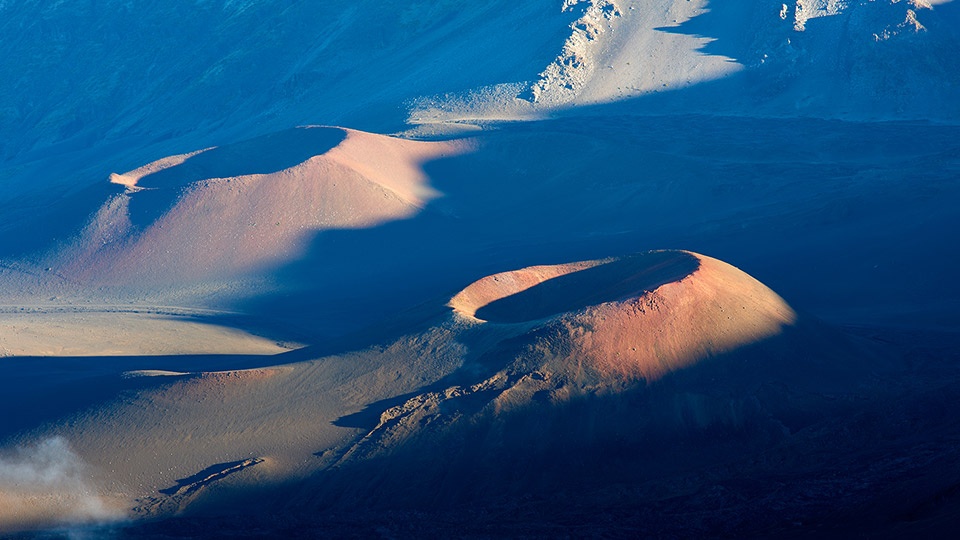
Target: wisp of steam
[47,484]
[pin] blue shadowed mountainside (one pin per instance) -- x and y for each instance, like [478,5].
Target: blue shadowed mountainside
[665,268]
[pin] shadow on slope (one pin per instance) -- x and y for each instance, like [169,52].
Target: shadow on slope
[50,220]
[608,282]
[209,475]
[262,155]
[44,390]
[864,62]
